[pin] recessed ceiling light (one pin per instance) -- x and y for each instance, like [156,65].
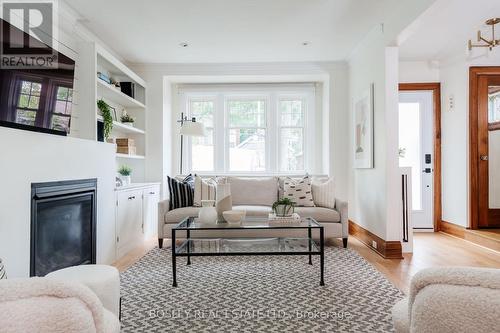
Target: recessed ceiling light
[183,44]
[306,43]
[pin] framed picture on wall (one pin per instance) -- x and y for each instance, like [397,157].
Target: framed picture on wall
[363,130]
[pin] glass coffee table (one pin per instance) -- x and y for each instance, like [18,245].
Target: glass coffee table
[247,246]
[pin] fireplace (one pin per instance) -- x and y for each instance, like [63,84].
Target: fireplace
[63,225]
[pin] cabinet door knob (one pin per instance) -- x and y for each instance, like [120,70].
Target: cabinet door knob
[152,193]
[132,197]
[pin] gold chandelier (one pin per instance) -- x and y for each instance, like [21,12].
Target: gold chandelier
[483,42]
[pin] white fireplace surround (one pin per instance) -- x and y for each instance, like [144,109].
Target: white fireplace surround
[29,157]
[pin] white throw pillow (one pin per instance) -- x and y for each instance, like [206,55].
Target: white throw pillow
[299,191]
[323,192]
[204,189]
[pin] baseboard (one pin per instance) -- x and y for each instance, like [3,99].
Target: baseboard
[473,236]
[452,229]
[387,249]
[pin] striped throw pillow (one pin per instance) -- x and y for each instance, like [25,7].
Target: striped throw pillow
[181,192]
[324,193]
[299,191]
[204,189]
[3,274]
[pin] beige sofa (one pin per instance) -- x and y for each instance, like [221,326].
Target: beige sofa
[450,299]
[256,195]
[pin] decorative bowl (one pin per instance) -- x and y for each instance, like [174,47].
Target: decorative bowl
[234,216]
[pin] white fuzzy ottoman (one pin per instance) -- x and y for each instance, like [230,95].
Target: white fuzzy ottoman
[103,280]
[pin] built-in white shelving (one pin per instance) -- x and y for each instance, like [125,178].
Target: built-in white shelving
[108,91]
[120,127]
[135,157]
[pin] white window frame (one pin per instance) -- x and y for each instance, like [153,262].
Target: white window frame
[272,94]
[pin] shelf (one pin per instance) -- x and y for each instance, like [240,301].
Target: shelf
[113,94]
[117,126]
[135,157]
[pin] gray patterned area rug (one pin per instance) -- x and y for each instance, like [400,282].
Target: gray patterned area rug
[256,294]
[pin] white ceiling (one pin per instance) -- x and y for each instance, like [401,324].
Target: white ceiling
[444,29]
[149,31]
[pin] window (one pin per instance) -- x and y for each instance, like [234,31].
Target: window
[202,148]
[247,134]
[493,105]
[61,115]
[251,129]
[291,135]
[28,102]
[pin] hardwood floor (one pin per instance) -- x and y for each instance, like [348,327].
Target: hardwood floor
[430,250]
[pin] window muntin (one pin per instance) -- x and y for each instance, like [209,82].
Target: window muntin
[28,102]
[61,114]
[291,135]
[202,148]
[247,126]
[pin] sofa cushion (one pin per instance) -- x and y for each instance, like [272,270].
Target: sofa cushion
[179,214]
[323,192]
[299,192]
[320,214]
[254,191]
[255,211]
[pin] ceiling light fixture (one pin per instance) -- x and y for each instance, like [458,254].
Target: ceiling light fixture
[183,44]
[485,42]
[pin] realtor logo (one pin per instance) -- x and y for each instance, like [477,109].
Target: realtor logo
[28,32]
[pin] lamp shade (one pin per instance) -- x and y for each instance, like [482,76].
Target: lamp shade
[192,128]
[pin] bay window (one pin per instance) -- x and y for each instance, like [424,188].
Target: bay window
[254,129]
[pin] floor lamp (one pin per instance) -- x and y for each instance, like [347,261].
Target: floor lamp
[189,127]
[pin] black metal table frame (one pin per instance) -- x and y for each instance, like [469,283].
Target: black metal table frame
[310,253]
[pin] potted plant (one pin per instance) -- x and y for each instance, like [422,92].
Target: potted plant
[284,207]
[125,171]
[107,117]
[127,120]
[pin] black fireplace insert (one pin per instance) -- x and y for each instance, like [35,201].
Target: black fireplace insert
[63,225]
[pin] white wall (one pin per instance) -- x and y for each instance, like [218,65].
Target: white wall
[369,188]
[29,157]
[162,142]
[418,72]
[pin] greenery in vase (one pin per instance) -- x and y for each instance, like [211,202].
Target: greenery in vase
[127,119]
[287,204]
[125,170]
[106,117]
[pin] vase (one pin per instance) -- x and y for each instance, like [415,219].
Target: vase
[223,200]
[208,212]
[284,210]
[126,180]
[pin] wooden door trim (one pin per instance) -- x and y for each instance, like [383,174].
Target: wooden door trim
[435,87]
[474,74]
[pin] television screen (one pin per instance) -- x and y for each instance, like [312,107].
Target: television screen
[35,97]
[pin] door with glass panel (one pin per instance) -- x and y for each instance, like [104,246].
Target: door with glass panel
[416,151]
[489,151]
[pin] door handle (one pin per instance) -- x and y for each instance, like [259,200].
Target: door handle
[483,157]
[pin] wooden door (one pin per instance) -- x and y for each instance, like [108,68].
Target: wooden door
[488,94]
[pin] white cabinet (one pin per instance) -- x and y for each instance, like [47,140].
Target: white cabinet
[150,210]
[136,216]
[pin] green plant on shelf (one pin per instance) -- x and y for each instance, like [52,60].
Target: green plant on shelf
[107,118]
[125,170]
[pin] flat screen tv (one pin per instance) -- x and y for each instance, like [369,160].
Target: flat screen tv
[36,99]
